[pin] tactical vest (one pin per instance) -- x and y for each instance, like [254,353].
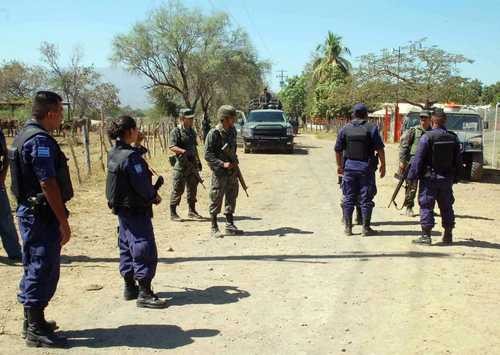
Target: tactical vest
[25,184]
[358,142]
[418,132]
[442,150]
[186,138]
[119,192]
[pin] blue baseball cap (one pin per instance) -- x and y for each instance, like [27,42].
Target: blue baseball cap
[359,109]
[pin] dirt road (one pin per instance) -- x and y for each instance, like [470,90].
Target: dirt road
[292,284]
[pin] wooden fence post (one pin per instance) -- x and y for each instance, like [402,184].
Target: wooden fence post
[86,145]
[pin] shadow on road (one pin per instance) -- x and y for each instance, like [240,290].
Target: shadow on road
[153,336]
[212,295]
[396,223]
[400,233]
[280,232]
[5,260]
[473,217]
[240,218]
[477,244]
[279,257]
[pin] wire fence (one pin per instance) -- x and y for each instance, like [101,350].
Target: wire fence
[491,136]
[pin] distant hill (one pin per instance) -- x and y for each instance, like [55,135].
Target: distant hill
[132,91]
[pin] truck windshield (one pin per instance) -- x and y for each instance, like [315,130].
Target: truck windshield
[269,116]
[462,122]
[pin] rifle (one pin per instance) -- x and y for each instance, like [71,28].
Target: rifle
[191,167]
[159,183]
[402,178]
[225,149]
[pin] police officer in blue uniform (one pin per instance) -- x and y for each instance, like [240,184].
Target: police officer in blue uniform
[437,164]
[8,231]
[130,195]
[357,143]
[41,184]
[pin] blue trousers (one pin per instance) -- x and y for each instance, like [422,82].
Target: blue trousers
[41,260]
[136,241]
[8,231]
[358,186]
[440,191]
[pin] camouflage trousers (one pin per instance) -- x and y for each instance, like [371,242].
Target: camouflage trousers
[223,186]
[180,182]
[410,193]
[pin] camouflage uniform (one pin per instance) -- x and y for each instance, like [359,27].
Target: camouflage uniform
[183,175]
[407,149]
[224,182]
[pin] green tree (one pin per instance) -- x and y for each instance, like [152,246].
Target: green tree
[491,94]
[194,59]
[19,81]
[331,55]
[293,96]
[416,71]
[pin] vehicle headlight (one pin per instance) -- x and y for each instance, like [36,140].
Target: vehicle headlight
[247,131]
[289,131]
[476,142]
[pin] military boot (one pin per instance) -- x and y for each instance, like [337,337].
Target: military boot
[37,334]
[447,236]
[50,325]
[231,229]
[425,238]
[347,226]
[147,298]
[173,214]
[131,290]
[367,229]
[192,212]
[359,216]
[215,232]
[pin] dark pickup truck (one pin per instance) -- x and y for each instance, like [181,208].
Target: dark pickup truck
[267,129]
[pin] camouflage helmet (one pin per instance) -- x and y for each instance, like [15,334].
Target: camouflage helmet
[226,111]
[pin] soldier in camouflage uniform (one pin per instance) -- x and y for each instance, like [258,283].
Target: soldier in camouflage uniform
[224,175]
[183,143]
[407,150]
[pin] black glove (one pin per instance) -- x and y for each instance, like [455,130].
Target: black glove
[200,167]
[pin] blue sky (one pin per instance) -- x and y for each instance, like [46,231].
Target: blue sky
[285,32]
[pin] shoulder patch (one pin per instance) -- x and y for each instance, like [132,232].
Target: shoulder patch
[138,168]
[43,152]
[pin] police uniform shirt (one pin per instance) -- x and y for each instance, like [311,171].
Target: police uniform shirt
[376,144]
[139,176]
[40,153]
[421,162]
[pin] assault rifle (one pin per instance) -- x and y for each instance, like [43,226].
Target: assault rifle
[232,159]
[159,183]
[192,168]
[402,178]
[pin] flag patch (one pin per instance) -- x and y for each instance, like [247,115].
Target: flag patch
[138,168]
[43,152]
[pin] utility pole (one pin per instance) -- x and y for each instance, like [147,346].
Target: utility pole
[282,77]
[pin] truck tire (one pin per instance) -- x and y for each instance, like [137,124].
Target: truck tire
[476,171]
[290,150]
[246,150]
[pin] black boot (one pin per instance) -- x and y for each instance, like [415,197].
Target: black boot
[147,299]
[131,290]
[359,216]
[367,230]
[231,229]
[348,225]
[173,214]
[448,236]
[425,238]
[215,232]
[50,325]
[192,212]
[37,334]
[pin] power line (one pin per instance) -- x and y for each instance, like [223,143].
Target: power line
[282,77]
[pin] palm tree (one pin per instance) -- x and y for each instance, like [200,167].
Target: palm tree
[332,56]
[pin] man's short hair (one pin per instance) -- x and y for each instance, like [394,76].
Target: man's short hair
[439,113]
[43,103]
